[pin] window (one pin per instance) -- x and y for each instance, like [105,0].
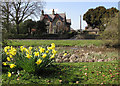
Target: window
[53,24]
[59,23]
[47,23]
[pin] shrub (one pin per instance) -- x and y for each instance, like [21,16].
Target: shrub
[17,36]
[30,59]
[110,35]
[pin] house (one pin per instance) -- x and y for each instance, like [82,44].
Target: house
[56,23]
[90,30]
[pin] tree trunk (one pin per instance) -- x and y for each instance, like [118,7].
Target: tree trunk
[8,24]
[17,28]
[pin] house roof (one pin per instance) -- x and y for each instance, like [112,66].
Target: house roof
[91,29]
[51,17]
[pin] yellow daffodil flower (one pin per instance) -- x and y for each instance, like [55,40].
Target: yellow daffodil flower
[11,56]
[12,65]
[21,47]
[30,48]
[8,59]
[52,56]
[42,50]
[27,51]
[7,53]
[6,48]
[39,47]
[28,56]
[65,54]
[9,74]
[54,51]
[44,55]
[24,49]
[47,51]
[36,53]
[52,45]
[49,48]
[39,61]
[4,63]
[13,53]
[11,47]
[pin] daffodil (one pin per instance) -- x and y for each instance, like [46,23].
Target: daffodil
[7,53]
[42,50]
[64,54]
[21,47]
[4,63]
[36,53]
[44,55]
[9,74]
[49,48]
[28,56]
[27,50]
[39,47]
[11,47]
[12,65]
[52,45]
[24,49]
[52,56]
[6,48]
[8,59]
[30,48]
[11,56]
[38,61]
[54,51]
[12,51]
[47,51]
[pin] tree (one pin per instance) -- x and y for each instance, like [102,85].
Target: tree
[22,10]
[41,27]
[110,35]
[29,24]
[96,17]
[5,9]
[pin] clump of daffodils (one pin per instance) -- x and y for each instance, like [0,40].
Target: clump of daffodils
[29,58]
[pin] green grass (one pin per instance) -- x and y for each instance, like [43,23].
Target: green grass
[57,42]
[70,73]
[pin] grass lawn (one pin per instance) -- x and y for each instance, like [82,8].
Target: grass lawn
[67,73]
[70,73]
[57,42]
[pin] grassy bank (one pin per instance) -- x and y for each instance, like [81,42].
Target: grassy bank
[57,42]
[67,73]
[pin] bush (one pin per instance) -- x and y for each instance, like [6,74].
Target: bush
[17,36]
[110,35]
[32,60]
[5,36]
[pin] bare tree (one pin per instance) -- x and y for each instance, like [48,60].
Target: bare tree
[19,11]
[5,9]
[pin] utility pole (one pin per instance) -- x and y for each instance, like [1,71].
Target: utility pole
[80,24]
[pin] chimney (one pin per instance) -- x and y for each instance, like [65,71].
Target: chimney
[42,12]
[53,12]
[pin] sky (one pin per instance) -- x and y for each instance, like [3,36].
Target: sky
[73,10]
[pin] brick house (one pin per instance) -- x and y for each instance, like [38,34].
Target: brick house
[56,22]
